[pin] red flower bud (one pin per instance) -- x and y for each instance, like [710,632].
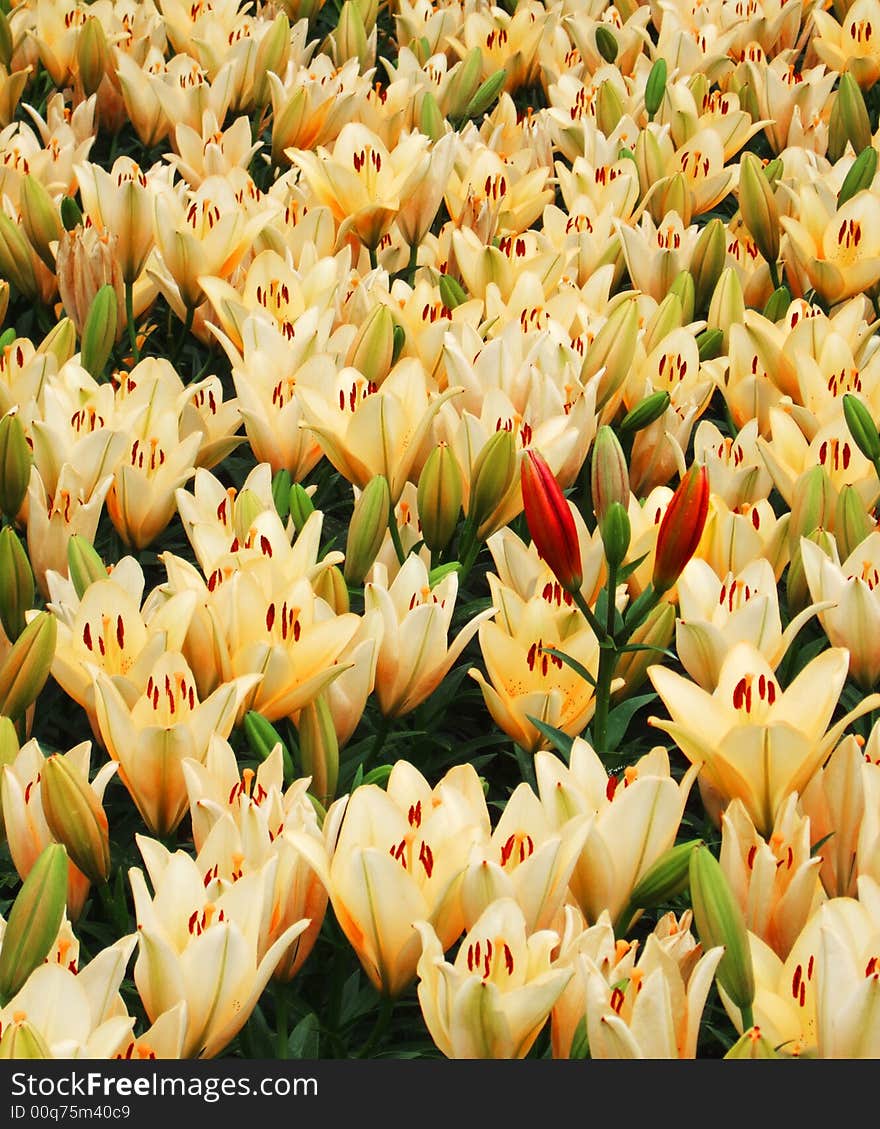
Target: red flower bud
[681,527]
[550,521]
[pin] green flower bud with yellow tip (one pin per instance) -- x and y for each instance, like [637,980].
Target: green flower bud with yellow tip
[674,196]
[299,506]
[15,259]
[812,505]
[99,331]
[92,55]
[439,497]
[463,84]
[728,306]
[372,350]
[613,350]
[431,120]
[493,472]
[757,205]
[710,344]
[683,288]
[21,1040]
[34,920]
[349,39]
[719,920]
[273,54]
[366,530]
[452,293]
[849,121]
[16,461]
[16,583]
[60,341]
[9,750]
[609,107]
[668,315]
[609,474]
[76,816]
[319,749]
[330,587]
[797,589]
[84,564]
[39,218]
[26,667]
[707,262]
[851,521]
[262,737]
[245,512]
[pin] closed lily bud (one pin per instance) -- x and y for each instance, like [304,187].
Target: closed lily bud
[372,350]
[92,55]
[76,817]
[649,160]
[606,43]
[492,474]
[683,288]
[710,343]
[609,107]
[16,583]
[655,87]
[776,306]
[349,39]
[84,564]
[757,204]
[849,121]
[16,461]
[728,306]
[452,293]
[861,175]
[24,671]
[609,474]
[99,331]
[300,506]
[485,94]
[34,920]
[645,412]
[720,921]
[675,196]
[652,636]
[9,750]
[550,521]
[707,262]
[668,316]
[439,496]
[463,85]
[812,504]
[40,218]
[613,349]
[752,1044]
[681,527]
[319,749]
[70,213]
[663,880]
[15,259]
[431,120]
[366,530]
[272,55]
[861,426]
[615,531]
[330,587]
[851,522]
[262,738]
[60,341]
[21,1040]
[281,492]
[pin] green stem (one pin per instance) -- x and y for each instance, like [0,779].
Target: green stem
[590,616]
[774,274]
[412,264]
[129,314]
[184,333]
[281,1020]
[374,257]
[395,536]
[383,1019]
[608,656]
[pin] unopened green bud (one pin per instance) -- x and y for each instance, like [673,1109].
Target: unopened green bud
[728,306]
[10,747]
[25,669]
[664,879]
[273,53]
[247,508]
[609,474]
[777,304]
[262,738]
[439,497]
[16,583]
[21,1040]
[812,504]
[861,426]
[752,1044]
[91,55]
[861,175]
[851,522]
[674,196]
[613,350]
[758,207]
[330,587]
[99,331]
[452,293]
[609,107]
[463,84]
[849,120]
[650,160]
[71,216]
[34,920]
[684,289]
[606,43]
[666,317]
[655,87]
[431,120]
[16,461]
[707,262]
[281,492]
[76,816]
[300,506]
[615,530]
[15,259]
[349,39]
[493,472]
[372,350]
[84,564]
[60,341]
[367,528]
[485,94]
[39,218]
[646,411]
[720,921]
[399,342]
[773,171]
[319,749]
[710,344]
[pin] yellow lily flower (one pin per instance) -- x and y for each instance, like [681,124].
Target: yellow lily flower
[734,537]
[411,842]
[494,999]
[120,201]
[199,944]
[150,736]
[756,741]
[849,44]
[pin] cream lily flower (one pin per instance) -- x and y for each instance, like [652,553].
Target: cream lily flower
[150,737]
[634,819]
[775,880]
[494,999]
[849,44]
[851,616]
[76,1014]
[737,472]
[715,614]
[415,653]
[399,859]
[756,741]
[120,201]
[199,944]
[733,538]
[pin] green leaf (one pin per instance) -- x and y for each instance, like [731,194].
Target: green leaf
[577,667]
[305,1038]
[559,740]
[620,717]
